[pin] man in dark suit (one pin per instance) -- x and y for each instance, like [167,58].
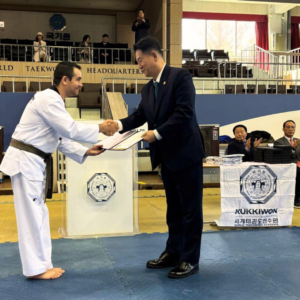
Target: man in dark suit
[105,55]
[289,128]
[140,26]
[242,144]
[168,105]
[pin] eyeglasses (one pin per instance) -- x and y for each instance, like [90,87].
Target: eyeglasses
[288,127]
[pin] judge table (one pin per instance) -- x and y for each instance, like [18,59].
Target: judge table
[257,195]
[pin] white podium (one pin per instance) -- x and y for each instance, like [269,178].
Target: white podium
[101,196]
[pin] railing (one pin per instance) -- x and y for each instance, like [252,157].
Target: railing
[219,85]
[26,81]
[17,52]
[257,55]
[106,112]
[277,70]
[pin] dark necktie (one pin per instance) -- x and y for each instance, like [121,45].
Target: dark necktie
[156,89]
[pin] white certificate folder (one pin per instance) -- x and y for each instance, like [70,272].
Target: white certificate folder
[121,142]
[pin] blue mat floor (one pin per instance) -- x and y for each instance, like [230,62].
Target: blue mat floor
[245,265]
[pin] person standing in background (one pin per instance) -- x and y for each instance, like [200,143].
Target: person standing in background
[140,26]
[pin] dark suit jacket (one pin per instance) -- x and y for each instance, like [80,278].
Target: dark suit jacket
[108,45]
[284,142]
[238,147]
[173,117]
[141,30]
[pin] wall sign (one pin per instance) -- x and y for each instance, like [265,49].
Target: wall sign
[58,22]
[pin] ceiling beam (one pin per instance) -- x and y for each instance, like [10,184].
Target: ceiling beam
[56,9]
[281,9]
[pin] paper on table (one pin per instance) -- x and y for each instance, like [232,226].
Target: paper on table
[121,141]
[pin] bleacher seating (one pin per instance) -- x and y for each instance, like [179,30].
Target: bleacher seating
[7,86]
[35,86]
[281,89]
[232,89]
[202,54]
[118,87]
[188,54]
[136,89]
[293,89]
[198,70]
[90,96]
[219,54]
[256,89]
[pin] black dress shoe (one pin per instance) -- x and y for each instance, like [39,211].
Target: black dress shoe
[164,261]
[183,270]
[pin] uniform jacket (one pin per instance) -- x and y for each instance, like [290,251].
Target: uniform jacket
[46,125]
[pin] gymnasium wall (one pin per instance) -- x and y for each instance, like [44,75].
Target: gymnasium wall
[92,73]
[226,8]
[257,112]
[12,106]
[25,25]
[295,11]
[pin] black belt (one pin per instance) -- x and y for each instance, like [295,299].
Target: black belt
[47,157]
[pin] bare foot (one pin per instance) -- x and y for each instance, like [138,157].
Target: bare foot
[49,274]
[59,270]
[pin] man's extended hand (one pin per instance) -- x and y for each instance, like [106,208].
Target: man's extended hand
[149,136]
[95,150]
[109,127]
[248,144]
[296,143]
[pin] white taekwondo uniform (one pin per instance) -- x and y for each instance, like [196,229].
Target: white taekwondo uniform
[46,125]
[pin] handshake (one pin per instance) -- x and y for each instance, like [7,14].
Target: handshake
[109,127]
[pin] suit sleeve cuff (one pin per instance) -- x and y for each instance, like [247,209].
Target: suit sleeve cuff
[120,125]
[157,135]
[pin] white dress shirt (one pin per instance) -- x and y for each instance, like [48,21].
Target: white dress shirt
[157,135]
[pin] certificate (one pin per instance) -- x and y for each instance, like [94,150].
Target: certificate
[121,142]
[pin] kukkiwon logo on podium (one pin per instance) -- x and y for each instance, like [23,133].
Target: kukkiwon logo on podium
[101,187]
[258,184]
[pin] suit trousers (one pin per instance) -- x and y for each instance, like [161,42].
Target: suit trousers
[33,225]
[184,189]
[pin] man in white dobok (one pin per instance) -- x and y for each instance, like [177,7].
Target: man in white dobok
[44,127]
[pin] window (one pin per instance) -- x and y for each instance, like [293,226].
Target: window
[232,36]
[193,34]
[245,35]
[221,35]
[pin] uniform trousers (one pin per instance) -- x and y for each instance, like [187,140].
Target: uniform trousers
[33,225]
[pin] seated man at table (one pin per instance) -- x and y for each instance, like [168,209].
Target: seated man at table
[242,144]
[289,128]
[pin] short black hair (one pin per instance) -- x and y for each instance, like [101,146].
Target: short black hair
[105,35]
[141,10]
[240,125]
[65,68]
[86,37]
[148,44]
[288,121]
